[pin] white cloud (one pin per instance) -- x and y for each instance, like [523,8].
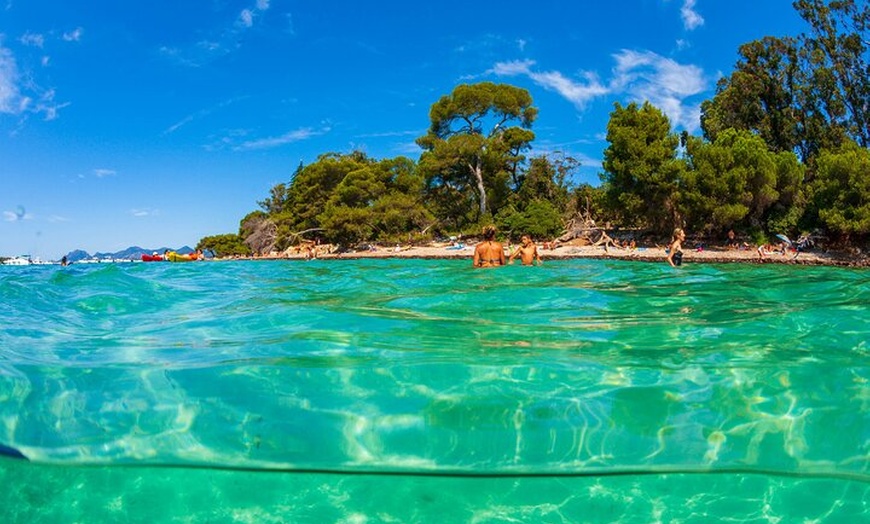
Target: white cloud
[246,18]
[200,114]
[579,93]
[102,173]
[691,18]
[641,75]
[15,102]
[647,76]
[74,36]
[10,96]
[32,39]
[287,138]
[144,212]
[513,68]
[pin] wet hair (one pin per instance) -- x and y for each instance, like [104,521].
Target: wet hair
[489,232]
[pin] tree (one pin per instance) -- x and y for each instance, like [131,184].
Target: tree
[468,146]
[731,182]
[641,168]
[786,213]
[224,245]
[548,178]
[838,44]
[312,187]
[380,201]
[841,190]
[759,95]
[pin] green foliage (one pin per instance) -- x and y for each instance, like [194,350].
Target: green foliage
[469,149]
[802,94]
[540,219]
[589,202]
[841,190]
[786,212]
[224,245]
[347,225]
[837,47]
[759,95]
[641,168]
[733,181]
[313,187]
[547,179]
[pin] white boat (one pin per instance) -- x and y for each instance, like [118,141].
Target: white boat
[23,260]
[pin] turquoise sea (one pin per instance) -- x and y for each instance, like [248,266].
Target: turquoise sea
[359,391]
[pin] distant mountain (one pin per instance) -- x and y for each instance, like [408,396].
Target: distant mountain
[78,254]
[131,253]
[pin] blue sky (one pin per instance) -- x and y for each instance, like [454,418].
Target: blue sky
[157,123]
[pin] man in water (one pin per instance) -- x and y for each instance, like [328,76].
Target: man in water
[528,252]
[488,253]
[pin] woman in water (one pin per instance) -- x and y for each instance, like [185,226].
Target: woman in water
[675,252]
[489,253]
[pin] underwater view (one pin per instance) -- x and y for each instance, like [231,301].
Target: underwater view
[394,390]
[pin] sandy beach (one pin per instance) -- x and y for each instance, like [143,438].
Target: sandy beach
[646,254]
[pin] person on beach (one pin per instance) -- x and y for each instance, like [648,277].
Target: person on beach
[528,252]
[732,240]
[675,251]
[488,253]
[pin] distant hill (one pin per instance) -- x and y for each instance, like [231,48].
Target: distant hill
[131,253]
[78,254]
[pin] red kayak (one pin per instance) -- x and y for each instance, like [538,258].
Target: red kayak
[152,258]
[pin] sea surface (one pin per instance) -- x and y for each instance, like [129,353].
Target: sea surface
[357,391]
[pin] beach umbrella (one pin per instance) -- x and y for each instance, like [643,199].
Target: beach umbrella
[783,238]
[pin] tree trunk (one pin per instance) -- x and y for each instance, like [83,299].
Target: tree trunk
[477,171]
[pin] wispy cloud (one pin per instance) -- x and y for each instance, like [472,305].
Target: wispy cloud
[144,212]
[390,134]
[19,96]
[579,92]
[200,114]
[297,135]
[102,173]
[248,15]
[691,18]
[218,41]
[32,39]
[73,36]
[246,18]
[10,96]
[644,75]
[641,75]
